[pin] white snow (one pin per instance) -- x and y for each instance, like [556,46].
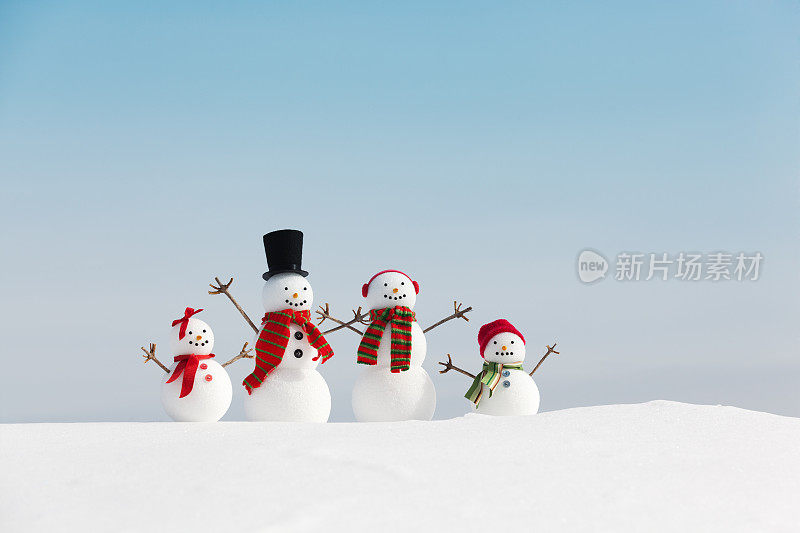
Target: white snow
[659,466]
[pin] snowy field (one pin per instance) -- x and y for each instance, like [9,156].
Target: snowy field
[659,466]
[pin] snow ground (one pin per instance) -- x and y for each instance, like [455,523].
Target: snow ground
[659,466]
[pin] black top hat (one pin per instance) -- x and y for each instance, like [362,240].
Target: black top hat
[284,249]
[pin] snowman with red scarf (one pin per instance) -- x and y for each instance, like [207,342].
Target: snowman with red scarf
[195,388]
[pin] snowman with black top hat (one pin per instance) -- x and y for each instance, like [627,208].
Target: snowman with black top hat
[285,384]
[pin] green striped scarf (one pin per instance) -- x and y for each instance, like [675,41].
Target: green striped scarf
[401,318]
[489,376]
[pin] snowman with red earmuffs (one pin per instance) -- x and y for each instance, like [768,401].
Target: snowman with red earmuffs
[393,386]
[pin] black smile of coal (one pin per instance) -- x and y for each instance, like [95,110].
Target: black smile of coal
[393,297]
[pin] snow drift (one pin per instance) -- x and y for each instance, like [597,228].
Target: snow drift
[659,466]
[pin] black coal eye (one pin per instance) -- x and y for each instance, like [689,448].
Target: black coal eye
[402,283]
[495,342]
[385,284]
[204,331]
[512,342]
[286,288]
[190,333]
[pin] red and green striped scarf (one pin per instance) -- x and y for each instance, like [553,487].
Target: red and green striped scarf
[400,318]
[273,339]
[489,378]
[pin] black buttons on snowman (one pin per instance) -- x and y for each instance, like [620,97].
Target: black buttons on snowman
[506,384]
[298,353]
[298,335]
[506,373]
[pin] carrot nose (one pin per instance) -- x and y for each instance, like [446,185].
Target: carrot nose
[395,290]
[504,348]
[199,337]
[294,295]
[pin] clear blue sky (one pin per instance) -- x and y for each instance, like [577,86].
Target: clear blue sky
[145,148]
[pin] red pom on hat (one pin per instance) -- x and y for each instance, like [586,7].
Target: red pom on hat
[491,329]
[365,287]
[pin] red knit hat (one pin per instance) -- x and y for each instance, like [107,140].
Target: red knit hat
[491,329]
[365,287]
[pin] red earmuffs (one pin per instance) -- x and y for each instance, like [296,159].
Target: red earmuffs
[365,287]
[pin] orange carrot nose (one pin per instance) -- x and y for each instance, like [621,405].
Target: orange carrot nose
[199,337]
[504,348]
[294,295]
[395,290]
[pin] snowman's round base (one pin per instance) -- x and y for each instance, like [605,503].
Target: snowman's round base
[520,397]
[210,397]
[381,396]
[290,396]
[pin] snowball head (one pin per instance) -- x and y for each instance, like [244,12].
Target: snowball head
[210,397]
[289,396]
[199,338]
[390,289]
[381,396]
[505,348]
[287,291]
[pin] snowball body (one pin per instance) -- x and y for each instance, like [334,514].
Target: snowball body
[209,399]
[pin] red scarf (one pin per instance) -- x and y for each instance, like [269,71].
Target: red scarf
[187,365]
[274,337]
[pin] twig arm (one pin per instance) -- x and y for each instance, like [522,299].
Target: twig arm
[448,366]
[151,356]
[323,314]
[243,354]
[457,313]
[222,288]
[550,349]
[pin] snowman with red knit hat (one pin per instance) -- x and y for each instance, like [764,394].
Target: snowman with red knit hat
[502,387]
[393,385]
[195,388]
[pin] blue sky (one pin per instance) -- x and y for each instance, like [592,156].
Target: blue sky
[478,145]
